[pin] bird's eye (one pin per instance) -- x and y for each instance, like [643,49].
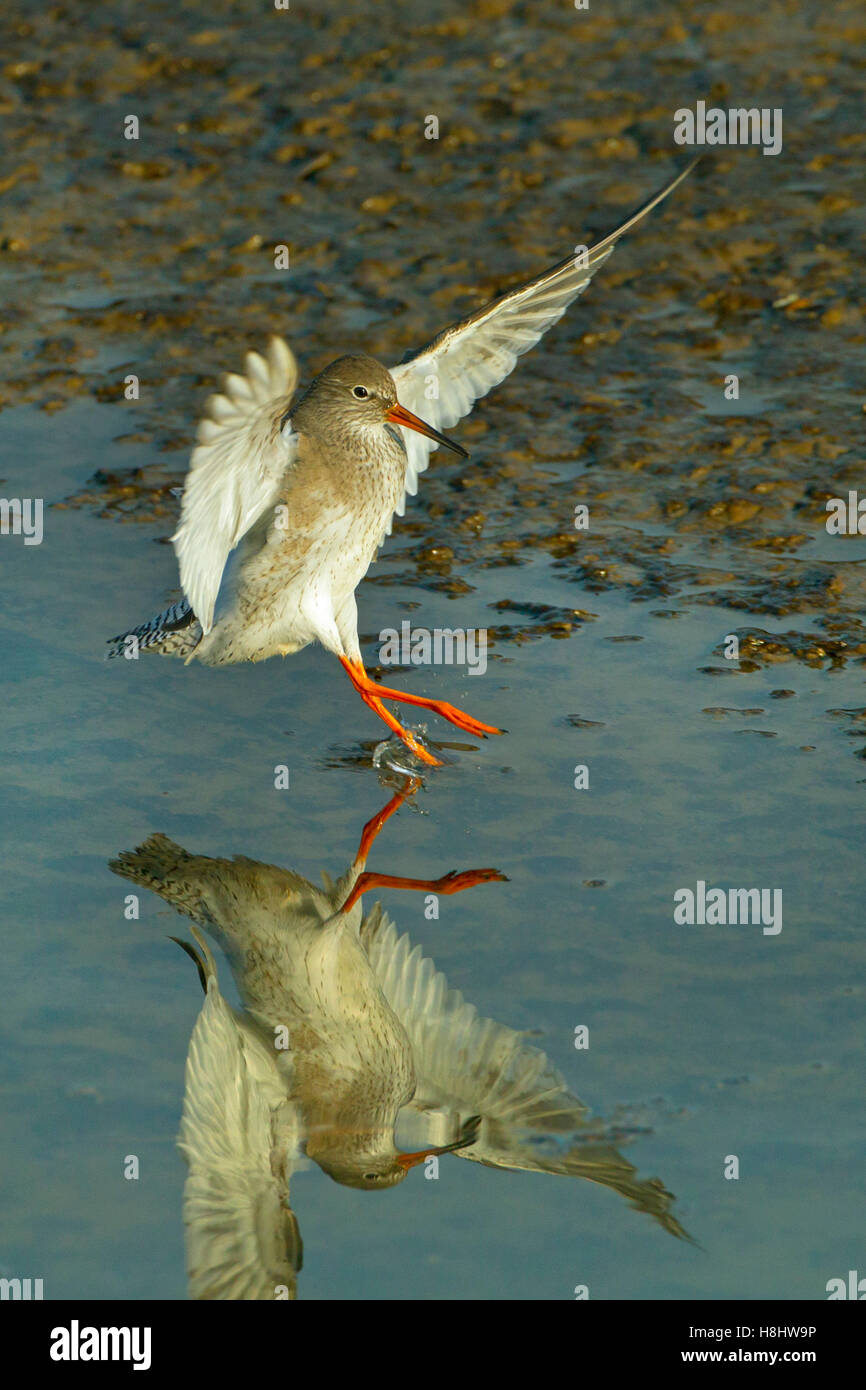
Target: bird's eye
[361,392]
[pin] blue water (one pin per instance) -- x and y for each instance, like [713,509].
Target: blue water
[721,1040]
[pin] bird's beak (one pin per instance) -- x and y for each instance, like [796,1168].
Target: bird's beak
[399,415]
[468,1135]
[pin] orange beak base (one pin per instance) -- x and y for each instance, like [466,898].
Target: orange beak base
[399,415]
[468,1135]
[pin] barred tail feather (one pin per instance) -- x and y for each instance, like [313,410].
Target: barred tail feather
[171,871]
[175,632]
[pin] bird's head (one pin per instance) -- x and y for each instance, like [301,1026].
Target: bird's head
[373,1175]
[369,1160]
[357,394]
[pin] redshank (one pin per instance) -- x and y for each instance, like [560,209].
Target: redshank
[308,492]
[345,1028]
[296,954]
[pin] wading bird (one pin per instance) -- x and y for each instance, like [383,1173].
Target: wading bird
[307,492]
[345,1028]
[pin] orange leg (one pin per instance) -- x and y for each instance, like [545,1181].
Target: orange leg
[452,882]
[410,740]
[375,824]
[369,688]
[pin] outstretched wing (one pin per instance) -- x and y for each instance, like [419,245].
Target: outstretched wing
[235,471]
[467,1065]
[445,379]
[240,1137]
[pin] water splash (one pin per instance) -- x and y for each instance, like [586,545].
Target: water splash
[392,755]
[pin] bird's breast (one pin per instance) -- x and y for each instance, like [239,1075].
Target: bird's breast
[359,474]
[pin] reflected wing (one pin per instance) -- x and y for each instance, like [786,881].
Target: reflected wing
[466,361]
[467,1065]
[235,471]
[240,1137]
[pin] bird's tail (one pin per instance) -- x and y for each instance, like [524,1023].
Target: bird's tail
[223,895]
[175,632]
[167,869]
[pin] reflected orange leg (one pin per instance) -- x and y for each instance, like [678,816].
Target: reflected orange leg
[367,687]
[375,824]
[452,882]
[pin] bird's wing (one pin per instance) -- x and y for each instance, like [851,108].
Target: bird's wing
[467,1065]
[443,381]
[464,1063]
[240,1137]
[242,452]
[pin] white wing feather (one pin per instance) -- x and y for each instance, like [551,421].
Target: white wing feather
[235,471]
[473,356]
[240,1137]
[467,1065]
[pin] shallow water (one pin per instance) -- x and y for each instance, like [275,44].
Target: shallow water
[722,1040]
[705,1041]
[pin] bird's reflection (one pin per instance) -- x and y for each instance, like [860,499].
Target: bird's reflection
[344,1028]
